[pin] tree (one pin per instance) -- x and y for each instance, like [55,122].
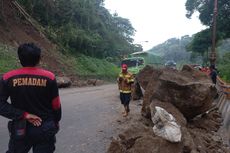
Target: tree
[83,26]
[201,42]
[205,8]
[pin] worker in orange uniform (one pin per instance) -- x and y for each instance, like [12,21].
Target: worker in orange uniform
[125,80]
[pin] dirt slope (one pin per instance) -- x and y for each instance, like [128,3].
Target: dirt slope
[15,30]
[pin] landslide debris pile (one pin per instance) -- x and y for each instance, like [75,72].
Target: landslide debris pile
[189,90]
[184,94]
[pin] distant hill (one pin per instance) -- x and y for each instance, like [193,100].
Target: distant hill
[173,49]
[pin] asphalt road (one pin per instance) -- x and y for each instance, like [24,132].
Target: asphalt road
[89,120]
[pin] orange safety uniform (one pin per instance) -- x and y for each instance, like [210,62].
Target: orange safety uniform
[124,82]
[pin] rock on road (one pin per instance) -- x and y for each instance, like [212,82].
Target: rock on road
[89,120]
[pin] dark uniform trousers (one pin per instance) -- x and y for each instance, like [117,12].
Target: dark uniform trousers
[125,98]
[41,139]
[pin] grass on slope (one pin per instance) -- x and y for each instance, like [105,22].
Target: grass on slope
[83,66]
[8,59]
[90,67]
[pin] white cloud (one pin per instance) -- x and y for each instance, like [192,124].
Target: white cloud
[156,20]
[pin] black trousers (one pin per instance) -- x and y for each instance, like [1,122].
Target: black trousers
[40,139]
[125,98]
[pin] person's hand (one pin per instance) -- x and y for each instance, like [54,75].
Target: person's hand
[33,119]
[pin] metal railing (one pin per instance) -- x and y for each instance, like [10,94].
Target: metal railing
[224,87]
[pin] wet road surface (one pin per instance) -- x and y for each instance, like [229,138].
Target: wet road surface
[89,120]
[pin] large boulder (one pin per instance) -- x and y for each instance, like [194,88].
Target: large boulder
[63,82]
[183,94]
[190,90]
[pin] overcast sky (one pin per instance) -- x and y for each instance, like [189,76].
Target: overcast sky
[155,21]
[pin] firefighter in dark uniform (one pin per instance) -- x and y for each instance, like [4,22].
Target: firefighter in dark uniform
[125,80]
[34,108]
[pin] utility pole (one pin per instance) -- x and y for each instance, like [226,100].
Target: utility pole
[213,51]
[2,12]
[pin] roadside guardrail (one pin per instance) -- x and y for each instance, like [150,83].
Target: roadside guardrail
[224,87]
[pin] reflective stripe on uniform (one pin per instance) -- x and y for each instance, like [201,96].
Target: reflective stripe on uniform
[125,84]
[122,91]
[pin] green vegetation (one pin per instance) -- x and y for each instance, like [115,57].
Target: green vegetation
[174,49]
[223,67]
[8,59]
[205,9]
[223,48]
[90,67]
[150,59]
[84,31]
[87,34]
[202,40]
[83,26]
[83,66]
[154,60]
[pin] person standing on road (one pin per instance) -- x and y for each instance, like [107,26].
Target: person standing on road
[125,80]
[213,73]
[35,109]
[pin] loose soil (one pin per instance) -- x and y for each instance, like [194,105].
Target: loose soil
[185,94]
[198,135]
[15,30]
